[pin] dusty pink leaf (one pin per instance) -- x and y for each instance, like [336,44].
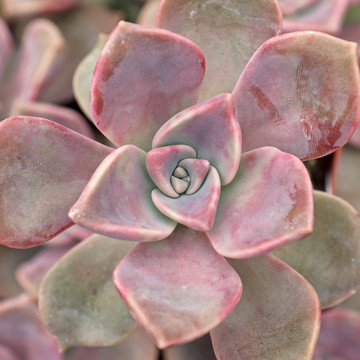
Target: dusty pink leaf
[23,332]
[212,130]
[142,78]
[178,288]
[70,236]
[78,300]
[285,97]
[117,200]
[267,205]
[17,9]
[162,162]
[323,15]
[227,31]
[7,354]
[330,257]
[59,114]
[339,336]
[289,7]
[137,346]
[277,317]
[44,168]
[196,211]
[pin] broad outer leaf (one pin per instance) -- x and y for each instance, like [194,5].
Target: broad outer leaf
[267,205]
[83,75]
[339,336]
[117,200]
[143,77]
[212,129]
[277,318]
[78,300]
[178,288]
[285,97]
[330,257]
[227,31]
[44,168]
[23,332]
[137,346]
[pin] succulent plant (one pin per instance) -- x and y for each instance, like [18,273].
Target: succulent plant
[176,183]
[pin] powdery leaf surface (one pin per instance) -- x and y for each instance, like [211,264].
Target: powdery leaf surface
[277,317]
[268,204]
[178,288]
[143,77]
[227,31]
[285,97]
[44,168]
[330,257]
[78,300]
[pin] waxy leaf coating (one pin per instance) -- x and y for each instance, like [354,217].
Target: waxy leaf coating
[143,77]
[178,288]
[285,97]
[44,168]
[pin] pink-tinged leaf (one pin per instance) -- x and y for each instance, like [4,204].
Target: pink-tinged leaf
[142,78]
[44,168]
[30,273]
[289,7]
[17,9]
[198,210]
[117,200]
[211,128]
[162,162]
[23,332]
[59,114]
[137,346]
[267,205]
[198,349]
[148,13]
[277,317]
[70,236]
[227,31]
[323,15]
[79,290]
[178,288]
[339,336]
[330,257]
[285,97]
[197,170]
[41,51]
[6,354]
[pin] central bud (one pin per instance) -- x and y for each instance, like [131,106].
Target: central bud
[180,180]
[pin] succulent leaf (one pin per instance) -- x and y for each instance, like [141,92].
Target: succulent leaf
[289,7]
[285,97]
[212,129]
[117,200]
[334,265]
[44,168]
[142,78]
[178,288]
[227,31]
[78,300]
[267,205]
[277,317]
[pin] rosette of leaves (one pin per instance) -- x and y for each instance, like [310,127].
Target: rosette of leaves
[176,281]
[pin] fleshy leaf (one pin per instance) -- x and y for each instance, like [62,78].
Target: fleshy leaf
[117,200]
[277,317]
[227,31]
[285,96]
[211,128]
[339,336]
[137,346]
[178,288]
[79,290]
[23,332]
[268,204]
[162,162]
[83,76]
[44,168]
[142,78]
[330,257]
[198,210]
[289,7]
